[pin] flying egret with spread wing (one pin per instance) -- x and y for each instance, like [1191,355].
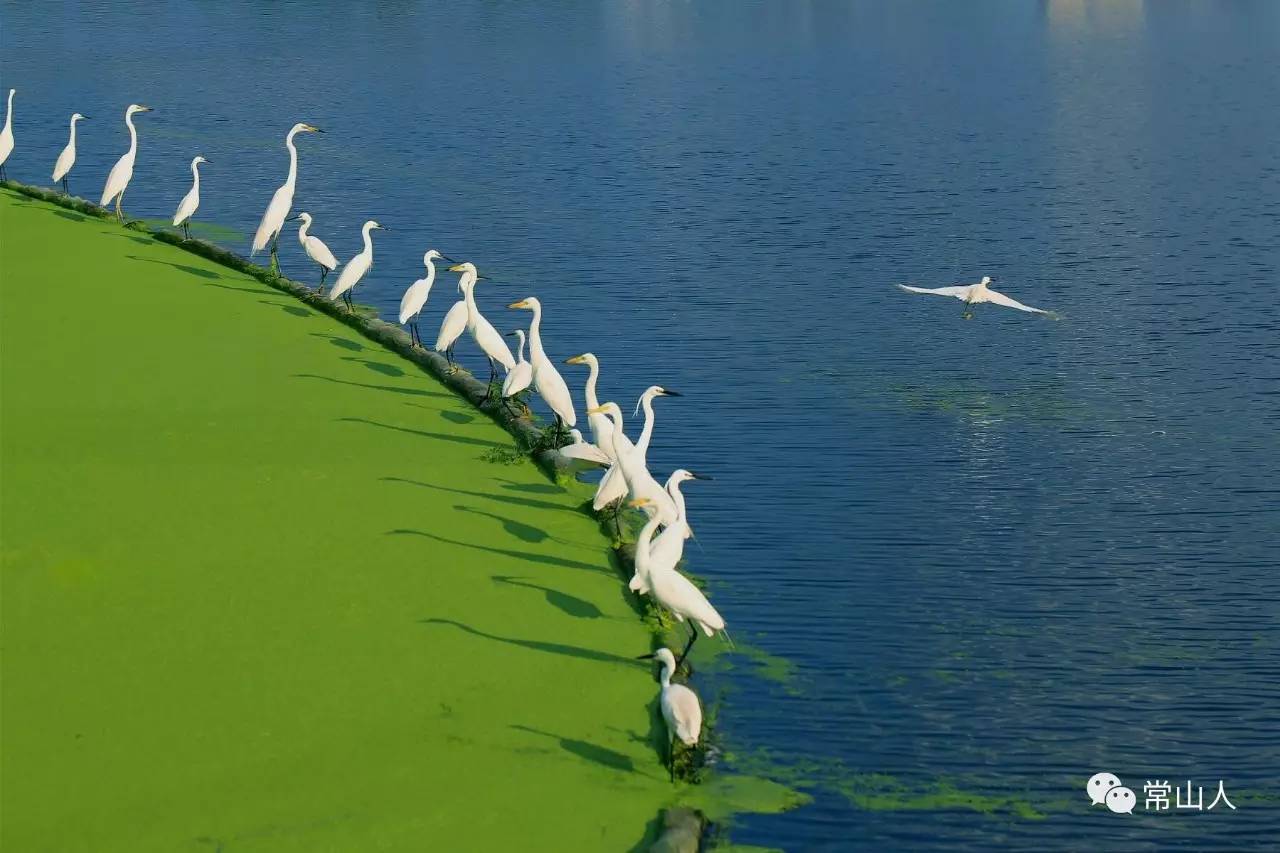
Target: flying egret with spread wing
[974,294]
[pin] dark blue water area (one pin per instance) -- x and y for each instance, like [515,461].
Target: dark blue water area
[1002,554]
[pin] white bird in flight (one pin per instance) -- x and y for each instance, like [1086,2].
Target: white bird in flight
[973,294]
[282,200]
[482,331]
[680,709]
[6,136]
[415,296]
[190,201]
[67,158]
[520,376]
[673,590]
[315,249]
[122,171]
[547,381]
[356,267]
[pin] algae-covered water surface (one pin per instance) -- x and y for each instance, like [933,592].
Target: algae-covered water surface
[269,587]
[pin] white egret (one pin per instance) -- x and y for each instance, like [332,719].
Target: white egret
[482,331]
[356,267]
[612,486]
[672,590]
[548,382]
[191,200]
[680,709]
[122,171]
[584,451]
[520,376]
[67,158]
[315,249]
[6,136]
[278,209]
[452,327]
[634,472]
[668,546]
[974,294]
[415,297]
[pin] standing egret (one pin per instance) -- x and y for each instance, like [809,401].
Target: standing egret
[673,590]
[6,136]
[974,294]
[668,546]
[356,267]
[415,298]
[191,200]
[520,376]
[315,249]
[482,331]
[601,427]
[680,709]
[278,209]
[122,171]
[547,381]
[632,467]
[67,158]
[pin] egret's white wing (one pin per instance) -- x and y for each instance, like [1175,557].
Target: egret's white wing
[585,451]
[1009,302]
[959,291]
[611,488]
[186,207]
[319,252]
[455,323]
[65,161]
[351,274]
[687,713]
[415,298]
[518,379]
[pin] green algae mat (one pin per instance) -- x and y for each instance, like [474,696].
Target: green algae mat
[265,587]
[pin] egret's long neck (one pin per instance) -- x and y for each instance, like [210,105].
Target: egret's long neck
[302,230]
[293,165]
[366,232]
[469,293]
[592,402]
[645,537]
[616,417]
[536,352]
[195,176]
[133,135]
[673,489]
[8,115]
[431,271]
[665,678]
[645,434]
[520,337]
[72,140]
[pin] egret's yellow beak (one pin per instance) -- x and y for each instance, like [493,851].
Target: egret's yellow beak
[639,502]
[312,128]
[577,359]
[598,410]
[143,109]
[523,303]
[456,268]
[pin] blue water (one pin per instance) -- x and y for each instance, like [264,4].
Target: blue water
[1002,554]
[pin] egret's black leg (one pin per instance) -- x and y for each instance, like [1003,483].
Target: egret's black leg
[671,758]
[693,638]
[417,336]
[65,189]
[119,210]
[186,232]
[488,390]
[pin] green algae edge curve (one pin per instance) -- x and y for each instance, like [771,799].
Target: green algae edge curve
[136,743]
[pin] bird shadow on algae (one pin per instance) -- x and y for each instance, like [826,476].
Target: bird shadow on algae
[507,499]
[585,749]
[564,649]
[376,366]
[519,529]
[295,310]
[394,389]
[443,436]
[340,342]
[196,271]
[525,556]
[568,604]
